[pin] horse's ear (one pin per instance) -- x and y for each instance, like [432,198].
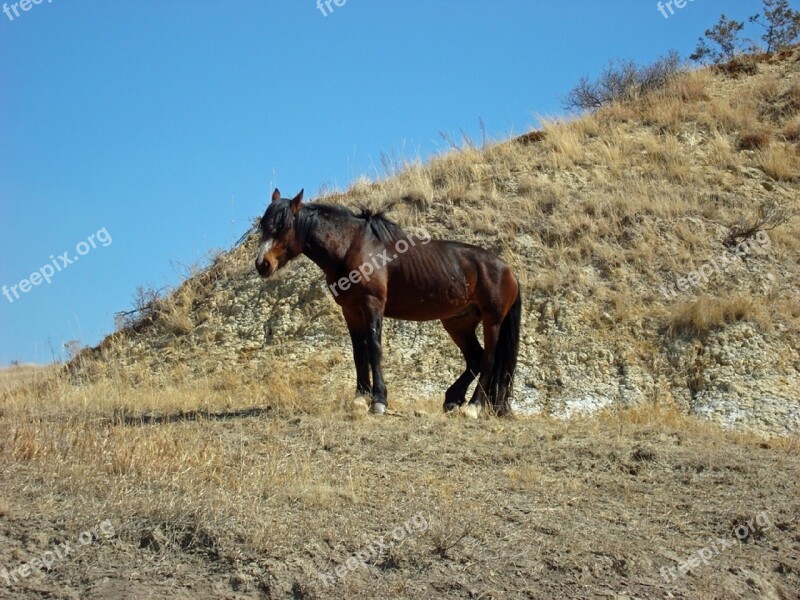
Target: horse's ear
[276,195]
[295,204]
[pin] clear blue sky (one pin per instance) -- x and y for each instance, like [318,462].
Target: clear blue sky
[169,122]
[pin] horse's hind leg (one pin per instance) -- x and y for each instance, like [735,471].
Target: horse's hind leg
[375,351]
[462,331]
[491,333]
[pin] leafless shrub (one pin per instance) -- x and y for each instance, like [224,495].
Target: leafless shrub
[151,307]
[144,311]
[624,80]
[769,215]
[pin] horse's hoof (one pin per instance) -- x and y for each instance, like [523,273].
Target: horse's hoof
[451,408]
[377,408]
[471,411]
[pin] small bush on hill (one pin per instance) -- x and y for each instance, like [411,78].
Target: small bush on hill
[624,80]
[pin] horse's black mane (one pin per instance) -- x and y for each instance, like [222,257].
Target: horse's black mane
[376,222]
[381,226]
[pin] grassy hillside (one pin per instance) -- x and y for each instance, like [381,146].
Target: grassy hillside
[623,228]
[213,446]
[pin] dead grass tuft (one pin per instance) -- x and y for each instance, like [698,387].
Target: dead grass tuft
[768,91]
[698,317]
[721,152]
[754,139]
[791,100]
[690,87]
[779,161]
[564,141]
[742,65]
[791,132]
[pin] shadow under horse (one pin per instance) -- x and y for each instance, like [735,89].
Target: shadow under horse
[374,269]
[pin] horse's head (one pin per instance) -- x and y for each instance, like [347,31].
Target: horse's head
[279,242]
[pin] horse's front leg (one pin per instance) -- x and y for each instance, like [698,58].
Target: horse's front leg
[375,349]
[358,336]
[361,359]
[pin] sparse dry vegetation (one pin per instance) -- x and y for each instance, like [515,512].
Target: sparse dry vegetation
[698,317]
[624,81]
[779,162]
[755,140]
[211,489]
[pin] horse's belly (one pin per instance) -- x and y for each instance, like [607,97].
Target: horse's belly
[426,304]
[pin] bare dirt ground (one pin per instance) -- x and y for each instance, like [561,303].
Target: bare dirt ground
[435,507]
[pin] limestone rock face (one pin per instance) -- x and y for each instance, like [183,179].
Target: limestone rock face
[738,376]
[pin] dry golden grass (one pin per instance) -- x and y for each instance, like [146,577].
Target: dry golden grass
[768,91]
[698,317]
[693,87]
[791,132]
[721,152]
[564,142]
[308,483]
[668,155]
[730,118]
[23,376]
[666,114]
[779,161]
[147,452]
[791,99]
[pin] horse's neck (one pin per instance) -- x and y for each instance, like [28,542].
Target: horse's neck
[327,244]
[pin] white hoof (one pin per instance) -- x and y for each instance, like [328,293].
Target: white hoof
[471,411]
[377,408]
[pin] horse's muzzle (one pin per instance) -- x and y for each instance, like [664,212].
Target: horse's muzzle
[265,268]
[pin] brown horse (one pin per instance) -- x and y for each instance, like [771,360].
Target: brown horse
[374,269]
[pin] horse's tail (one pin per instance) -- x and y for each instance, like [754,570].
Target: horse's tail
[505,360]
